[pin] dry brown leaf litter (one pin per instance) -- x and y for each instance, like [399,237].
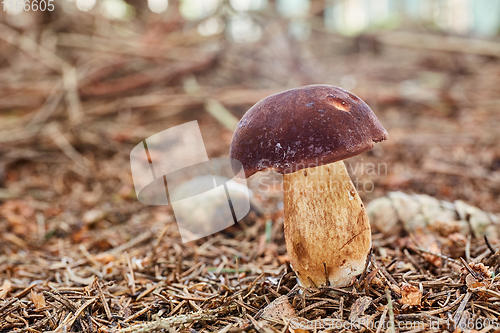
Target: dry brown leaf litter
[79,253]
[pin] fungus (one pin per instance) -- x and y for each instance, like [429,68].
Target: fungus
[305,133]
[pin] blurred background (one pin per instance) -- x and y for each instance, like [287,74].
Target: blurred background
[82,84]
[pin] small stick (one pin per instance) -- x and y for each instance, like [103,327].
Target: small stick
[68,323]
[38,324]
[382,319]
[180,305]
[413,261]
[28,45]
[287,324]
[158,242]
[279,282]
[132,275]
[63,144]
[488,309]
[447,299]
[312,306]
[438,255]
[131,243]
[238,271]
[252,285]
[227,328]
[493,259]
[87,255]
[390,309]
[440,43]
[475,274]
[255,324]
[70,83]
[103,300]
[21,319]
[48,108]
[7,305]
[168,323]
[467,248]
[488,244]
[341,307]
[137,314]
[461,308]
[221,114]
[446,308]
[64,301]
[40,220]
[24,292]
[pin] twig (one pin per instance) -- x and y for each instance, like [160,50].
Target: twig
[137,314]
[131,243]
[475,274]
[445,308]
[158,242]
[413,261]
[68,323]
[488,244]
[167,323]
[48,108]
[467,248]
[180,305]
[255,324]
[487,309]
[32,48]
[341,307]
[441,43]
[438,255]
[461,308]
[34,327]
[219,112]
[63,144]
[25,291]
[4,309]
[64,301]
[390,309]
[70,82]
[493,259]
[104,302]
[382,319]
[132,275]
[125,46]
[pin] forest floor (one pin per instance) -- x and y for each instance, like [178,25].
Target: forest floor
[78,252]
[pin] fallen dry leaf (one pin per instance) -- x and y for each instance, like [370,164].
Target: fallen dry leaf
[472,282]
[482,278]
[278,309]
[37,299]
[5,288]
[432,259]
[359,307]
[410,295]
[480,269]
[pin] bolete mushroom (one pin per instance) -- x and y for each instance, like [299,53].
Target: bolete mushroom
[305,133]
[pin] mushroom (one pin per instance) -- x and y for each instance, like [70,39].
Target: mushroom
[305,133]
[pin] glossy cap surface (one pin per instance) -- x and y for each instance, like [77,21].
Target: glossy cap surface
[304,127]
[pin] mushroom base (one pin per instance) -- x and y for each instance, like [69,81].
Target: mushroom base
[327,231]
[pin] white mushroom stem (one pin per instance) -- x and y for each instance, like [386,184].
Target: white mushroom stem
[327,231]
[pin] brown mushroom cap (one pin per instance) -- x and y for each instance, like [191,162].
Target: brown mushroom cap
[303,128]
